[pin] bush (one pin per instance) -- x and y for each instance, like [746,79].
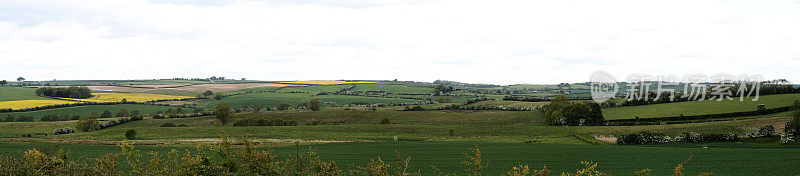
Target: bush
[712,137]
[168,124]
[130,134]
[87,124]
[158,116]
[122,113]
[314,105]
[261,121]
[65,130]
[136,118]
[644,137]
[284,106]
[766,131]
[106,114]
[385,121]
[25,118]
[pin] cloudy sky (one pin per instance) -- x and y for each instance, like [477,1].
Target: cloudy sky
[501,42]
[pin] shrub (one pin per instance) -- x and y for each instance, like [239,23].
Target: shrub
[168,124]
[284,106]
[761,109]
[766,131]
[122,113]
[136,118]
[261,121]
[223,112]
[87,124]
[385,121]
[25,118]
[786,138]
[65,130]
[130,134]
[106,114]
[158,116]
[644,137]
[314,105]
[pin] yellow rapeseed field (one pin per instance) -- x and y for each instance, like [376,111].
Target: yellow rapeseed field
[131,97]
[23,104]
[327,82]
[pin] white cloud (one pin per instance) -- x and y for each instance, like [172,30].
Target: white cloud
[501,42]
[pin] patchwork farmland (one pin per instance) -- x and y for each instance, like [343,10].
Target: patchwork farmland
[355,121]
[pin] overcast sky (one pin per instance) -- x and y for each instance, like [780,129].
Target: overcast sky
[501,42]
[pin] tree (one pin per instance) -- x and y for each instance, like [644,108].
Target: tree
[314,105]
[87,124]
[122,113]
[208,93]
[595,114]
[106,114]
[793,125]
[20,79]
[223,112]
[576,113]
[179,111]
[130,134]
[3,82]
[134,113]
[284,106]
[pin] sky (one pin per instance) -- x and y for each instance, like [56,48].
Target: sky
[497,42]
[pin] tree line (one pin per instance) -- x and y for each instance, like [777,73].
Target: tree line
[65,92]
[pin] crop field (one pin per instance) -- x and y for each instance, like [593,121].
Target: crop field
[402,89]
[313,88]
[227,87]
[131,97]
[19,93]
[447,156]
[320,82]
[25,104]
[274,99]
[698,107]
[87,110]
[510,103]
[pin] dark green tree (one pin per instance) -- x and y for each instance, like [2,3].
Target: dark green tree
[314,105]
[130,134]
[106,114]
[122,112]
[223,112]
[284,106]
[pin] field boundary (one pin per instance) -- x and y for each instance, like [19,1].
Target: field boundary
[695,118]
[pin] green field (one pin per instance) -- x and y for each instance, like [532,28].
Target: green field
[314,88]
[274,99]
[398,89]
[718,158]
[84,111]
[698,107]
[19,93]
